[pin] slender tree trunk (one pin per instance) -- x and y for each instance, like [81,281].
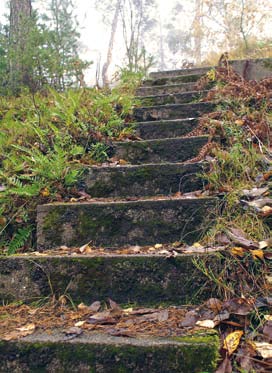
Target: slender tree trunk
[105,76]
[20,20]
[197,32]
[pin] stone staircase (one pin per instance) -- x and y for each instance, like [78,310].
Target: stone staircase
[134,204]
[137,208]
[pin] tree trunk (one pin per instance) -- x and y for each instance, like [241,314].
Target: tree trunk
[198,32]
[105,76]
[20,20]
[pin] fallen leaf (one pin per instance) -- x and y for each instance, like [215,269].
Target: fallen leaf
[190,319]
[266,211]
[225,366]
[214,304]
[23,331]
[231,342]
[238,237]
[74,330]
[238,251]
[238,306]
[210,324]
[80,323]
[85,249]
[95,306]
[45,192]
[158,246]
[257,254]
[264,349]
[267,330]
[114,306]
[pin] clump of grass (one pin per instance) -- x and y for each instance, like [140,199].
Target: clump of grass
[46,139]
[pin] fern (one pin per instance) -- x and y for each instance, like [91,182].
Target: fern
[19,239]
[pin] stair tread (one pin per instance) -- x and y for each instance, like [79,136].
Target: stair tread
[151,279]
[92,352]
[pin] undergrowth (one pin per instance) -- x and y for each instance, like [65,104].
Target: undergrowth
[46,140]
[241,161]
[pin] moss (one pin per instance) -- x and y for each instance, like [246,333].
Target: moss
[81,357]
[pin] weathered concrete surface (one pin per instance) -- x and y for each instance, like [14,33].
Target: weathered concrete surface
[142,180]
[175,98]
[172,80]
[172,111]
[183,72]
[159,151]
[93,353]
[146,280]
[116,224]
[255,69]
[160,129]
[166,89]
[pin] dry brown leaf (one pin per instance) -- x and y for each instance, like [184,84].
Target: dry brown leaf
[231,342]
[23,331]
[264,349]
[225,366]
[210,324]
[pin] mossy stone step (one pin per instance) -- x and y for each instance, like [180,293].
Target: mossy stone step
[175,98]
[142,180]
[159,150]
[92,353]
[180,72]
[159,129]
[172,111]
[172,80]
[166,89]
[145,280]
[120,223]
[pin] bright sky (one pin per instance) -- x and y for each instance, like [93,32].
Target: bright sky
[94,35]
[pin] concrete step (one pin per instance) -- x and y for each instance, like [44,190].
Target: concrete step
[159,150]
[165,128]
[120,223]
[177,79]
[145,280]
[176,98]
[166,89]
[172,111]
[142,180]
[89,352]
[180,72]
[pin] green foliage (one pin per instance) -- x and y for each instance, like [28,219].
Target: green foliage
[45,142]
[43,50]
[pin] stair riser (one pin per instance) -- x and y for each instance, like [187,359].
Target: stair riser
[101,353]
[159,151]
[181,111]
[146,180]
[181,72]
[165,129]
[178,98]
[166,89]
[149,280]
[123,223]
[172,80]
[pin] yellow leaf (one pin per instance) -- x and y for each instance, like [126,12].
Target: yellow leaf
[240,122]
[45,192]
[197,245]
[238,251]
[257,254]
[231,342]
[268,317]
[158,246]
